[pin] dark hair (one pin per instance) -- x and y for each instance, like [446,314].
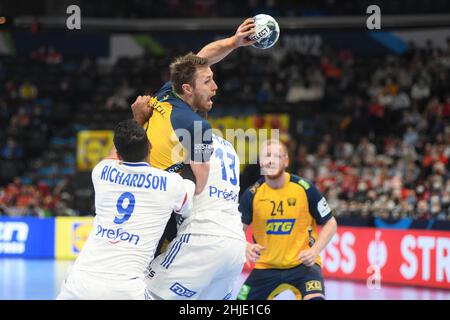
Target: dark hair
[182,70]
[131,141]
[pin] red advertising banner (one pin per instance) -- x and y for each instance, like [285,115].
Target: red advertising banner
[409,257]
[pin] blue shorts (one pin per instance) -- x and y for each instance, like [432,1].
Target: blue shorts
[266,284]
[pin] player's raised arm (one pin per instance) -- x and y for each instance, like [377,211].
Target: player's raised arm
[217,50]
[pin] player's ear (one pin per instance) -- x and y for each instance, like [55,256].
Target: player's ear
[187,88]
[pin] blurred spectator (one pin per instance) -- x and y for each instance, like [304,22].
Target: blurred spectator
[11,150]
[28,91]
[304,91]
[53,56]
[120,99]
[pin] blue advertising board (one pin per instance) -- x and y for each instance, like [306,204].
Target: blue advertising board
[27,237]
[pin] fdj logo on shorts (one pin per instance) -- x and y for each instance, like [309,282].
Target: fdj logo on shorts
[179,290]
[279,226]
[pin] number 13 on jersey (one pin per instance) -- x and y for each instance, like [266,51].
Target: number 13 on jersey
[229,168]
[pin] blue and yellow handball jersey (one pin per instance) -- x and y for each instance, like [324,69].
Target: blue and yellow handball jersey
[176,132]
[284,220]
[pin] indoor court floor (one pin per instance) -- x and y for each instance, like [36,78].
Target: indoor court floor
[22,279]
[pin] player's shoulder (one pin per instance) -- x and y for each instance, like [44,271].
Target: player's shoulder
[305,184]
[253,189]
[165,89]
[166,94]
[299,180]
[302,182]
[166,97]
[105,162]
[102,168]
[188,119]
[182,116]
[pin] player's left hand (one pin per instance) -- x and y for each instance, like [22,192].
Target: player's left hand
[252,252]
[246,29]
[308,257]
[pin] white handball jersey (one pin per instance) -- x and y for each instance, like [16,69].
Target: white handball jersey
[133,203]
[215,210]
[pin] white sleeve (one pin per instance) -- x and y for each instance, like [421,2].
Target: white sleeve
[95,174]
[183,203]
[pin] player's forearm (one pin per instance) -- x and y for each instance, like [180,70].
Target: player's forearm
[217,50]
[201,172]
[326,233]
[139,119]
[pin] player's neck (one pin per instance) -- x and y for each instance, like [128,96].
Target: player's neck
[186,100]
[278,182]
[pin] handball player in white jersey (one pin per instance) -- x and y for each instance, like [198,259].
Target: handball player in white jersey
[208,254]
[133,203]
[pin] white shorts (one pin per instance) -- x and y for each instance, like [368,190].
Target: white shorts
[81,285]
[197,267]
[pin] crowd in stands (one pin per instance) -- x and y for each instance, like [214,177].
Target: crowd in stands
[376,138]
[37,156]
[373,133]
[387,152]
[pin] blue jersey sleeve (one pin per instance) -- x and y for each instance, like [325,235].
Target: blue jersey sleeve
[246,207]
[318,205]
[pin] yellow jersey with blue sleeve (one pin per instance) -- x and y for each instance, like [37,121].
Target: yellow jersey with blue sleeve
[284,220]
[176,132]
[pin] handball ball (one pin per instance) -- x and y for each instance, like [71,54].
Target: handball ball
[267,31]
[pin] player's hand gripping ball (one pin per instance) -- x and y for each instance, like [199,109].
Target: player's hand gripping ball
[266,33]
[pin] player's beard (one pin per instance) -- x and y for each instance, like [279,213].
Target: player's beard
[201,104]
[276,175]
